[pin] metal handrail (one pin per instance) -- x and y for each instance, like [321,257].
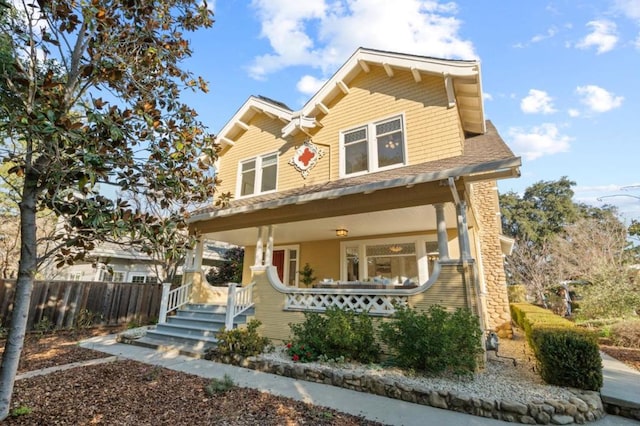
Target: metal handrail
[239,299]
[173,299]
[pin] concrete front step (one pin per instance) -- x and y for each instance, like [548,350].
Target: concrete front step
[191,330]
[214,324]
[195,349]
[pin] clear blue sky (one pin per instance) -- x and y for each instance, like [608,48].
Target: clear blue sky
[561,78]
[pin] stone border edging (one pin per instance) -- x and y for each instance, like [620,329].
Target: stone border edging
[586,406]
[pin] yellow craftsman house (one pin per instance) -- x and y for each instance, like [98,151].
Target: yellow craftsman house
[384,183]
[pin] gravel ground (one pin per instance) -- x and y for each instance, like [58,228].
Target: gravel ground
[500,380]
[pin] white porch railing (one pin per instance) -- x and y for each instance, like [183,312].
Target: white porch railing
[374,304]
[173,299]
[239,299]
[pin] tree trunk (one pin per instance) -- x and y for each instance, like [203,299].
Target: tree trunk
[24,286]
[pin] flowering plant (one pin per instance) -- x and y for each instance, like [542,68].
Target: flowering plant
[299,352]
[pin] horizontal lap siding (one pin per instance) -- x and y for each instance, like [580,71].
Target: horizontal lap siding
[448,291]
[432,128]
[269,310]
[263,137]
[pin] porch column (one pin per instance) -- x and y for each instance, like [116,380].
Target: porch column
[268,256]
[443,243]
[197,261]
[259,248]
[463,231]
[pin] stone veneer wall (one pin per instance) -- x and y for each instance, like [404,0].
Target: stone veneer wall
[585,406]
[484,198]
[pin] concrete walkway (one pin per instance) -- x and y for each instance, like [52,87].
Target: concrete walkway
[373,407]
[621,386]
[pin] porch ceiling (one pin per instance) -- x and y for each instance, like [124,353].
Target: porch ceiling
[394,221]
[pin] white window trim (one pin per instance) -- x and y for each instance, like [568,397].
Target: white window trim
[372,152]
[287,273]
[258,179]
[137,274]
[420,247]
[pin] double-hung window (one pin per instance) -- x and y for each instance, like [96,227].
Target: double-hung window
[258,175]
[372,147]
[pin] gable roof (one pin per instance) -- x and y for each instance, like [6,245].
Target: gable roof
[461,78]
[484,156]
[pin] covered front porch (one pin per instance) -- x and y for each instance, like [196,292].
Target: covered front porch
[370,250]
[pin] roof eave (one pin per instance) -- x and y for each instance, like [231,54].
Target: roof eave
[510,164]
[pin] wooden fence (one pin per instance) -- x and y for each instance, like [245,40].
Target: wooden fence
[65,304]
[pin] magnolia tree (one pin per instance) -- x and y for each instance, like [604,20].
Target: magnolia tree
[90,99]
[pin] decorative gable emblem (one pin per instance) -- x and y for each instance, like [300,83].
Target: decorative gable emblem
[306,157]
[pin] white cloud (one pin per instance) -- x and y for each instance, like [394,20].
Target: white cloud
[540,37]
[603,36]
[323,33]
[309,85]
[538,102]
[573,112]
[487,96]
[598,99]
[631,8]
[538,141]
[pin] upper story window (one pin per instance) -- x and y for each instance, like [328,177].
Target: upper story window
[258,175]
[373,147]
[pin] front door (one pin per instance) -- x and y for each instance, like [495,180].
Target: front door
[278,262]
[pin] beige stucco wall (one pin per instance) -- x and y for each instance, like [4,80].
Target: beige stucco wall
[432,128]
[484,195]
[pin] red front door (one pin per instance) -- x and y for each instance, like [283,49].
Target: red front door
[278,262]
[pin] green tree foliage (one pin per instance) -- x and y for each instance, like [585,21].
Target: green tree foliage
[541,212]
[231,270]
[558,240]
[90,99]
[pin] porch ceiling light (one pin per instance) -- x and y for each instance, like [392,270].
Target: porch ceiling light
[395,248]
[341,232]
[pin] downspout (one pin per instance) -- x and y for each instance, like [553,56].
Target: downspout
[465,254]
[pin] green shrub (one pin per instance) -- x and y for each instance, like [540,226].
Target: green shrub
[566,354]
[337,334]
[626,333]
[242,341]
[217,386]
[299,352]
[43,327]
[434,341]
[568,357]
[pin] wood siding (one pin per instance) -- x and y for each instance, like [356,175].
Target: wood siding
[432,129]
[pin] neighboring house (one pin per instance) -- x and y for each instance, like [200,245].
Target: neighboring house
[384,182]
[119,263]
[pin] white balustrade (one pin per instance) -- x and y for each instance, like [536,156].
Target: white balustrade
[173,299]
[239,299]
[374,304]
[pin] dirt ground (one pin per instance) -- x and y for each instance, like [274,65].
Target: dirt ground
[128,392]
[132,393]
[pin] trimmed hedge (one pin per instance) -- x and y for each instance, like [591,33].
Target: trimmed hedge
[566,354]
